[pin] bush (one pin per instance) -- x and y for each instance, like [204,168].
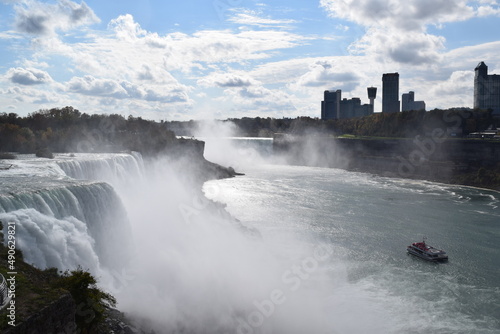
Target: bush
[91,302]
[44,153]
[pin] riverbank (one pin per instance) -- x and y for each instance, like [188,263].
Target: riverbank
[453,161]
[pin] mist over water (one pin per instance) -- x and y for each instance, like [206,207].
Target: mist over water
[325,252]
[202,272]
[368,221]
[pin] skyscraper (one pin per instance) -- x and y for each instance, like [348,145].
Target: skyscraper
[486,89]
[330,106]
[390,92]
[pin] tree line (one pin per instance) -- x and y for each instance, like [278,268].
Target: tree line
[68,130]
[406,124]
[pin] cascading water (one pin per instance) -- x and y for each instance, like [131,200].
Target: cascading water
[65,223]
[114,169]
[91,211]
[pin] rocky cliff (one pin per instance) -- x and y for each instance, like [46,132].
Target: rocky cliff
[432,158]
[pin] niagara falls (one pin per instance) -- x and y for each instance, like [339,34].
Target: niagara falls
[249,167]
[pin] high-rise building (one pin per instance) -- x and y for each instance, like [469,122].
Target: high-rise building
[330,106]
[486,89]
[390,92]
[408,102]
[333,107]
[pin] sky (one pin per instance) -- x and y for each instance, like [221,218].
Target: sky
[218,59]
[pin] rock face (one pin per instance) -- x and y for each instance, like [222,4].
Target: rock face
[432,158]
[58,317]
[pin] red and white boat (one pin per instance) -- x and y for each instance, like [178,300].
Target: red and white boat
[426,252]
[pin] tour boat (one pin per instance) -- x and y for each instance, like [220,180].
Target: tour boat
[426,252]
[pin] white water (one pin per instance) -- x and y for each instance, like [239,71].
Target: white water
[331,258]
[61,222]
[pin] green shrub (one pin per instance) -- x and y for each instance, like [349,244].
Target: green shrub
[91,302]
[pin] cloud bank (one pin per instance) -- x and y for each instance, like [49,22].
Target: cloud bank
[252,63]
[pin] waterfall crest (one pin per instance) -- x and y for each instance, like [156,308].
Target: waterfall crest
[115,169]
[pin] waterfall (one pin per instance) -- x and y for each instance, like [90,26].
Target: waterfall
[65,226]
[115,169]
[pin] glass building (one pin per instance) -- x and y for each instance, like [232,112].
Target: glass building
[390,92]
[486,89]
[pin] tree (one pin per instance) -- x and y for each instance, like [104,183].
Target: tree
[91,302]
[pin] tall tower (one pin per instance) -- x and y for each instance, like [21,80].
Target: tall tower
[390,92]
[480,79]
[372,95]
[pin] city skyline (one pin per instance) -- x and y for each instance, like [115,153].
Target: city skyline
[224,59]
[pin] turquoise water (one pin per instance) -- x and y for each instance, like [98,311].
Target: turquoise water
[374,286]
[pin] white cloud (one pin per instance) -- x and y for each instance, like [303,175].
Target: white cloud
[226,80]
[28,94]
[325,73]
[460,83]
[411,15]
[131,49]
[126,28]
[10,35]
[88,85]
[249,17]
[488,11]
[413,48]
[28,76]
[397,30]
[40,18]
[260,99]
[128,63]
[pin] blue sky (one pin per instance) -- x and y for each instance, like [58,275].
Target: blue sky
[193,59]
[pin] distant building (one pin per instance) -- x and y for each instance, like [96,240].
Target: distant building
[334,107]
[353,108]
[486,89]
[330,106]
[408,102]
[390,92]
